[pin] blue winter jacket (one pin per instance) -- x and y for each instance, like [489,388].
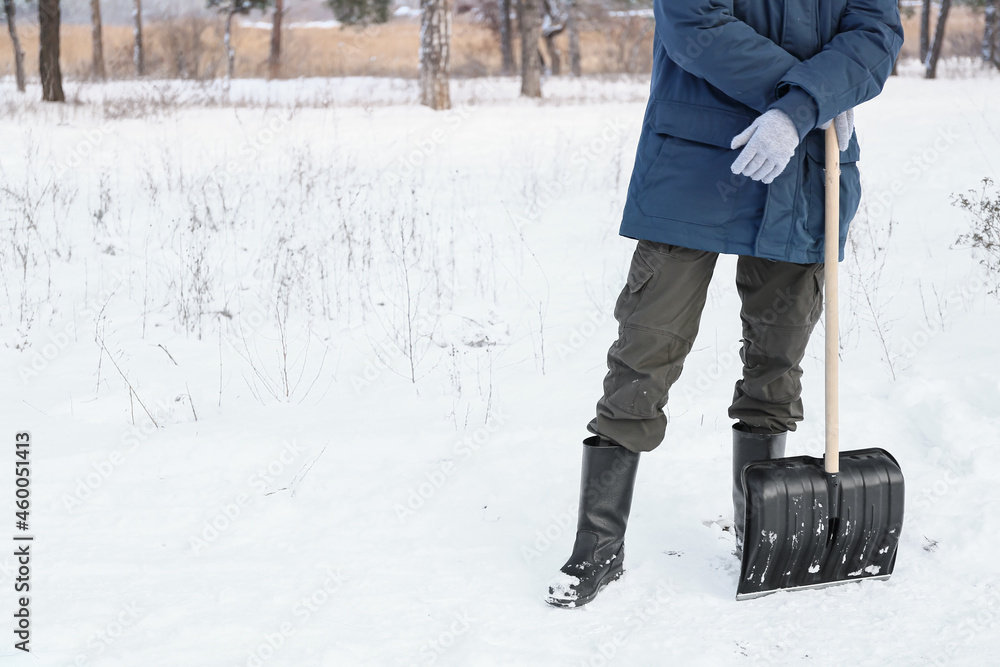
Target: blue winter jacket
[718,65]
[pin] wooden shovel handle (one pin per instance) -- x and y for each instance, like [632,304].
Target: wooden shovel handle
[832,242]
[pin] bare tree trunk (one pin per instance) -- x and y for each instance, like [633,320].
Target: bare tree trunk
[529,16]
[555,55]
[552,27]
[990,52]
[274,58]
[435,54]
[935,52]
[506,39]
[97,40]
[138,54]
[632,64]
[228,41]
[574,38]
[925,29]
[48,51]
[9,10]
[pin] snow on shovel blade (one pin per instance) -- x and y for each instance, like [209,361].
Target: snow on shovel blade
[793,541]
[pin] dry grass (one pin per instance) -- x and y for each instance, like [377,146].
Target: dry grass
[192,48]
[387,50]
[962,36]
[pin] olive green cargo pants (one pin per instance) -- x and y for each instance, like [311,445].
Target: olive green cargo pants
[658,314]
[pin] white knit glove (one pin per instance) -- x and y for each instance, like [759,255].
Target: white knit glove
[770,143]
[844,125]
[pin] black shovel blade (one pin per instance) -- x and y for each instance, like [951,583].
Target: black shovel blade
[793,540]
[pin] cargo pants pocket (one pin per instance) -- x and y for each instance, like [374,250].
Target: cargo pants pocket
[658,315]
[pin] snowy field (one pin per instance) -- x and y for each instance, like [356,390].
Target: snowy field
[306,374]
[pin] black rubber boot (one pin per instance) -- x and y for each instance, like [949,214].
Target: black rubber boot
[605,500]
[747,448]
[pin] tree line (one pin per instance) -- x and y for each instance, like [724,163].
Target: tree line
[537,23]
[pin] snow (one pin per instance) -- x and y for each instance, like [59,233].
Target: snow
[293,25]
[647,13]
[346,473]
[561,587]
[364,92]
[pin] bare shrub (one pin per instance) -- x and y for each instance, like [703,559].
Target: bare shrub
[186,48]
[33,206]
[984,207]
[869,242]
[628,43]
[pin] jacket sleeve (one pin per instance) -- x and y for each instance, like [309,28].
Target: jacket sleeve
[705,39]
[854,65]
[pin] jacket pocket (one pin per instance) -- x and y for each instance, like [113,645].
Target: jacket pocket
[690,182]
[812,228]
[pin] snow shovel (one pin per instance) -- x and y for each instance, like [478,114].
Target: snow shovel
[815,522]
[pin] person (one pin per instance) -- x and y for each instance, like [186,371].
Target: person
[730,160]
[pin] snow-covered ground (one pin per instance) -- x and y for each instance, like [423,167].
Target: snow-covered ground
[370,337]
[295,25]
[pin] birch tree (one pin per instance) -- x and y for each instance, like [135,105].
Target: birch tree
[9,11]
[529,15]
[229,9]
[553,24]
[435,47]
